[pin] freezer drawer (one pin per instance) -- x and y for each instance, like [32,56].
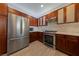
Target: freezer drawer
[14,45]
[24,41]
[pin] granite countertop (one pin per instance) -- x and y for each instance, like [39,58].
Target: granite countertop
[65,33]
[35,31]
[68,33]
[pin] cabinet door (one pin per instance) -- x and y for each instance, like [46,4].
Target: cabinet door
[33,36]
[61,16]
[33,22]
[3,9]
[72,45]
[60,42]
[70,14]
[40,36]
[44,21]
[40,21]
[3,38]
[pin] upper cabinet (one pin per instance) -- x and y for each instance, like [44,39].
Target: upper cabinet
[42,21]
[33,21]
[61,15]
[77,12]
[51,15]
[3,9]
[70,13]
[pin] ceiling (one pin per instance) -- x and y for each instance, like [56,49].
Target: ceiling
[35,10]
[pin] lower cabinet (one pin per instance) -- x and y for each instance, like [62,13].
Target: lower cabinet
[40,36]
[36,36]
[60,42]
[33,36]
[67,44]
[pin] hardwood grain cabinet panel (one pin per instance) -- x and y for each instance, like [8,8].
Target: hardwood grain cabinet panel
[3,34]
[68,44]
[61,16]
[72,45]
[67,14]
[51,15]
[46,17]
[60,42]
[44,20]
[33,21]
[70,14]
[36,36]
[40,21]
[3,9]
[77,12]
[33,36]
[40,36]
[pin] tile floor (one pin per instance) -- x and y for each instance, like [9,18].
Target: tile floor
[37,48]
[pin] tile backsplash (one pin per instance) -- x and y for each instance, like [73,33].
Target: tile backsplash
[66,28]
[69,27]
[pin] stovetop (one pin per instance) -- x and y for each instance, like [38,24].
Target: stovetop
[50,32]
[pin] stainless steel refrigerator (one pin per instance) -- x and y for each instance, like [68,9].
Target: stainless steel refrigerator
[18,33]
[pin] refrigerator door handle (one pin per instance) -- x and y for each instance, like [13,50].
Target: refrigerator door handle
[18,38]
[14,39]
[24,36]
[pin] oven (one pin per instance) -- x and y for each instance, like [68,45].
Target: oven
[49,38]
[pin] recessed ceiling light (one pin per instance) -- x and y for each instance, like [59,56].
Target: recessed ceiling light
[42,6]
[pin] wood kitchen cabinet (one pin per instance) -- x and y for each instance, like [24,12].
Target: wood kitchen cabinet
[60,42]
[72,45]
[33,21]
[36,36]
[33,36]
[3,34]
[51,15]
[3,9]
[40,36]
[77,12]
[67,14]
[67,44]
[61,15]
[3,28]
[70,13]
[42,21]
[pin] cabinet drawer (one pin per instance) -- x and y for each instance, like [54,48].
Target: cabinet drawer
[60,36]
[72,38]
